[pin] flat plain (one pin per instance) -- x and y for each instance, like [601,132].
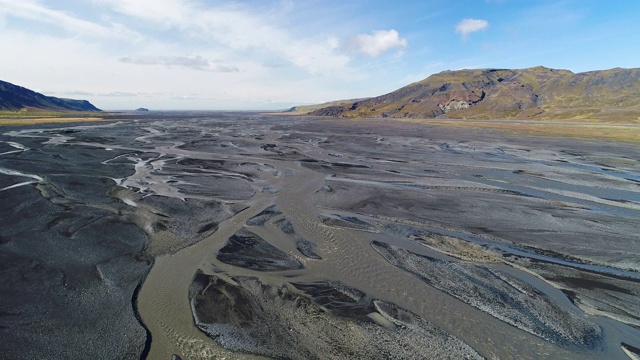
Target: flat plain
[241,235]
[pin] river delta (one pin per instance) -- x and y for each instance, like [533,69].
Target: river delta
[242,235]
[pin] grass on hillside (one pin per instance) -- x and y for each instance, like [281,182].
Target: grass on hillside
[583,130]
[45,120]
[26,117]
[29,114]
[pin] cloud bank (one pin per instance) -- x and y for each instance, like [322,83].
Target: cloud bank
[34,11]
[195,63]
[468,26]
[236,29]
[223,54]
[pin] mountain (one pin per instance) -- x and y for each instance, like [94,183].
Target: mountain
[305,109]
[14,98]
[534,93]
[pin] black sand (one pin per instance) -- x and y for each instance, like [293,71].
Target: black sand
[314,238]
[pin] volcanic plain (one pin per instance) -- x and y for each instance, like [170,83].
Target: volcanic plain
[241,235]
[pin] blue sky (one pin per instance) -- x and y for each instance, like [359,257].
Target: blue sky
[197,54]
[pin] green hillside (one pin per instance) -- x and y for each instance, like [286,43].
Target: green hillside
[535,93]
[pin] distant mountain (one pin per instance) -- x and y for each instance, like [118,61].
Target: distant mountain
[14,98]
[534,93]
[305,109]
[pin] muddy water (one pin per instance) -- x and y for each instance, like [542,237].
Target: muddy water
[165,309]
[347,257]
[560,217]
[164,306]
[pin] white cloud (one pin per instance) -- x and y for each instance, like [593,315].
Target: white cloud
[31,10]
[80,93]
[81,68]
[377,42]
[233,29]
[468,26]
[236,28]
[195,63]
[244,54]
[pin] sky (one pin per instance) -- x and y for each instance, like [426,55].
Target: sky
[265,55]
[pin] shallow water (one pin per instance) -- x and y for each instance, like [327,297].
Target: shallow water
[192,183]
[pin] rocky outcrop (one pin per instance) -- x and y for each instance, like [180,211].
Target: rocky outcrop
[328,111]
[454,105]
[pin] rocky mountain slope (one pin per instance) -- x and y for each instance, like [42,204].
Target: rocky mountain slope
[14,98]
[534,93]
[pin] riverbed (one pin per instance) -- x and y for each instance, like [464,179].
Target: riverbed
[241,235]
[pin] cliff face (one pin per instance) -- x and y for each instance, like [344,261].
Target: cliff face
[534,93]
[13,98]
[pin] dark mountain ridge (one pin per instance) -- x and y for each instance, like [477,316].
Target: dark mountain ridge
[15,98]
[533,93]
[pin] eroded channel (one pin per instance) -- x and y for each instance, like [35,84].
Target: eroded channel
[256,236]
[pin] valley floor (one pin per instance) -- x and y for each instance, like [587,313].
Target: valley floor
[241,235]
